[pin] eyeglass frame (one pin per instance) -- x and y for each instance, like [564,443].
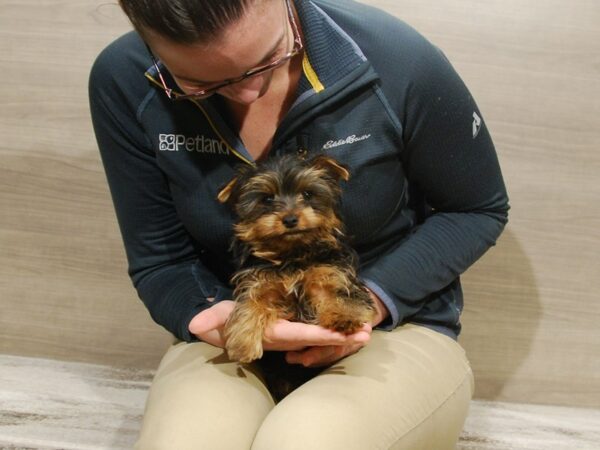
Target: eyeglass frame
[205,93]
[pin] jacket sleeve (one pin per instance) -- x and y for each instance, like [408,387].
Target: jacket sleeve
[163,262]
[451,164]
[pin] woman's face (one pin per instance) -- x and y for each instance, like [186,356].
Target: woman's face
[261,36]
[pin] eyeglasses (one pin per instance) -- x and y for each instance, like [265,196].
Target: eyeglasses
[204,93]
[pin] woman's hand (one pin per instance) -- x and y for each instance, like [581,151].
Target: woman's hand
[283,335]
[209,325]
[309,345]
[323,355]
[315,356]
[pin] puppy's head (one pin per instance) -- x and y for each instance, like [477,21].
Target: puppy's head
[286,202]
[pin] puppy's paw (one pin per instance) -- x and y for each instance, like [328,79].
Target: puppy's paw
[243,348]
[341,323]
[348,319]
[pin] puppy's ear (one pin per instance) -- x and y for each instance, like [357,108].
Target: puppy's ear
[334,168]
[225,193]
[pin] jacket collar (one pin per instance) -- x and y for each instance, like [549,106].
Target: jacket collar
[330,54]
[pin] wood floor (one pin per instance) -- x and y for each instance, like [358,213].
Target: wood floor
[47,404]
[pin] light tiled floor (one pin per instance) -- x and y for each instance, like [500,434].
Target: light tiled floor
[47,404]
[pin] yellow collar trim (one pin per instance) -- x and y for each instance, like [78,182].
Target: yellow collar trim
[311,75]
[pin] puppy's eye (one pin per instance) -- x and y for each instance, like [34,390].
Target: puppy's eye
[268,199]
[307,195]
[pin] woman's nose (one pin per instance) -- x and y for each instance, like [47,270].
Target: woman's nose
[245,91]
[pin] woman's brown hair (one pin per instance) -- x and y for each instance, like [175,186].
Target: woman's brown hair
[184,21]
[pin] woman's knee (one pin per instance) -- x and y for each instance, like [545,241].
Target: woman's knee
[200,399]
[440,430]
[409,389]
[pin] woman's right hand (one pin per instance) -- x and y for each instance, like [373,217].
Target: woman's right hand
[209,325]
[283,335]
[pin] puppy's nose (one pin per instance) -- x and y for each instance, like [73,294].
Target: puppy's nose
[290,221]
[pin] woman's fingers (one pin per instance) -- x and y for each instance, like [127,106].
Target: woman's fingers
[210,322]
[285,335]
[321,356]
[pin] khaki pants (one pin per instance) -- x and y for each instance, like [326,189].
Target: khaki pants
[407,389]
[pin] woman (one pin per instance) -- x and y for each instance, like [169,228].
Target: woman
[203,86]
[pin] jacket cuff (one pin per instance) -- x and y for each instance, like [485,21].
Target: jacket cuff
[390,322]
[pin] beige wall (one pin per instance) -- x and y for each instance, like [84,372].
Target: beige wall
[63,284]
[531,321]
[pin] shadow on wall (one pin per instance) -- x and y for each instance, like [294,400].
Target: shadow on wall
[501,317]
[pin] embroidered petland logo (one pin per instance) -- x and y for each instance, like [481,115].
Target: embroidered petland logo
[349,140]
[198,143]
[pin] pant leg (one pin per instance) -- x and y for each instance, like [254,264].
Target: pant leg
[201,400]
[407,389]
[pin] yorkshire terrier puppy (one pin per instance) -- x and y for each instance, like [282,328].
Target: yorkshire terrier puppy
[294,261]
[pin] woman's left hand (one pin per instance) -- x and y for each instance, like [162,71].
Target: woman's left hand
[326,355]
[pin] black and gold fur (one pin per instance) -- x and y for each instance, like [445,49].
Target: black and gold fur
[294,261]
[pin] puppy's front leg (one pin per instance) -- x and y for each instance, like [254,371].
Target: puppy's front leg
[337,300]
[257,306]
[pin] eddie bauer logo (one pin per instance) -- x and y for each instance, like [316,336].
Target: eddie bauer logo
[199,144]
[349,140]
